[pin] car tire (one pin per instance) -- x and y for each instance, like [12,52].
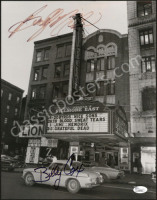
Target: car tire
[73,186]
[105,177]
[29,179]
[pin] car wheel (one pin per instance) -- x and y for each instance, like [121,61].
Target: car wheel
[29,179]
[73,186]
[105,177]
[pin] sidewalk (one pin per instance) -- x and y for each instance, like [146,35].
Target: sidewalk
[136,180]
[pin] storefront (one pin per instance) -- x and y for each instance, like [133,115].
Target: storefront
[143,150]
[89,130]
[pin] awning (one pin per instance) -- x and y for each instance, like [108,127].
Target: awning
[99,139]
[143,141]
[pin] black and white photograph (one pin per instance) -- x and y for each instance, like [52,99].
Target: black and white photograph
[78,99]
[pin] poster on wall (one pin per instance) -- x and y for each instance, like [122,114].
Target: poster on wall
[32,155]
[124,159]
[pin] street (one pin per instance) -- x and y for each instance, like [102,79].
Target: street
[13,187]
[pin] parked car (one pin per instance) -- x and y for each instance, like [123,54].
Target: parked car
[7,163]
[65,175]
[106,171]
[20,161]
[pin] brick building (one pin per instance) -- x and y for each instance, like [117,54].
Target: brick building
[102,54]
[142,48]
[11,97]
[49,76]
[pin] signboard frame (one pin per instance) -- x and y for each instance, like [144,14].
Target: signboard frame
[84,132]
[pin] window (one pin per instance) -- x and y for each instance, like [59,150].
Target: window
[146,38]
[1,92]
[90,66]
[44,73]
[111,62]
[46,54]
[42,91]
[65,89]
[16,111]
[100,64]
[5,120]
[58,71]
[10,95]
[34,93]
[39,56]
[111,88]
[8,108]
[144,8]
[68,50]
[66,70]
[149,99]
[18,99]
[56,91]
[100,89]
[148,64]
[59,51]
[36,75]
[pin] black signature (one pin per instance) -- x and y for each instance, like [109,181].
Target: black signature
[56,171]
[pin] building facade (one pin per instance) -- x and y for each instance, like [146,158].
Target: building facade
[11,97]
[49,76]
[142,56]
[105,53]
[102,89]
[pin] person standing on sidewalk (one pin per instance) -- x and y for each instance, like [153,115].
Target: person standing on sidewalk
[139,166]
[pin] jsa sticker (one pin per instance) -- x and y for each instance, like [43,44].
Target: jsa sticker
[140,189]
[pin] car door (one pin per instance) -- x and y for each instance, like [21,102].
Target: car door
[54,174]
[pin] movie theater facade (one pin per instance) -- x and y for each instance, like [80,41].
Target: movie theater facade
[94,126]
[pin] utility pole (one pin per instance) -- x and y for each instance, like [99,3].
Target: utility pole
[75,63]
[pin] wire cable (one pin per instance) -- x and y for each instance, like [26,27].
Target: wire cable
[90,23]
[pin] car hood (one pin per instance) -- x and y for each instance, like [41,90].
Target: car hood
[104,169]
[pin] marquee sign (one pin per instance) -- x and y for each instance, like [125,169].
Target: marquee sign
[32,130]
[96,122]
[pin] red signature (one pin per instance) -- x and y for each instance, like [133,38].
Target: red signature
[51,20]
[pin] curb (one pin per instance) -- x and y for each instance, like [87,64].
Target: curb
[133,183]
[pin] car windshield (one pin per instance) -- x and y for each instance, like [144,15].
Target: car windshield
[94,164]
[77,165]
[102,165]
[59,166]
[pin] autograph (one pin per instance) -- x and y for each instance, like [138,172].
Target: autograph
[51,20]
[56,171]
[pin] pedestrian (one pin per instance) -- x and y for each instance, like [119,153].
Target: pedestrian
[54,158]
[139,166]
[112,162]
[102,161]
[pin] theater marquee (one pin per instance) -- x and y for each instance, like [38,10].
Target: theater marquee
[97,122]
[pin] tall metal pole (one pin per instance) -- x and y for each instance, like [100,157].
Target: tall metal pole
[72,60]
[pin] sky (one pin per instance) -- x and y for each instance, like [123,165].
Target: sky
[17,51]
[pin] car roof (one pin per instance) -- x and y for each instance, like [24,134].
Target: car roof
[61,161]
[64,161]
